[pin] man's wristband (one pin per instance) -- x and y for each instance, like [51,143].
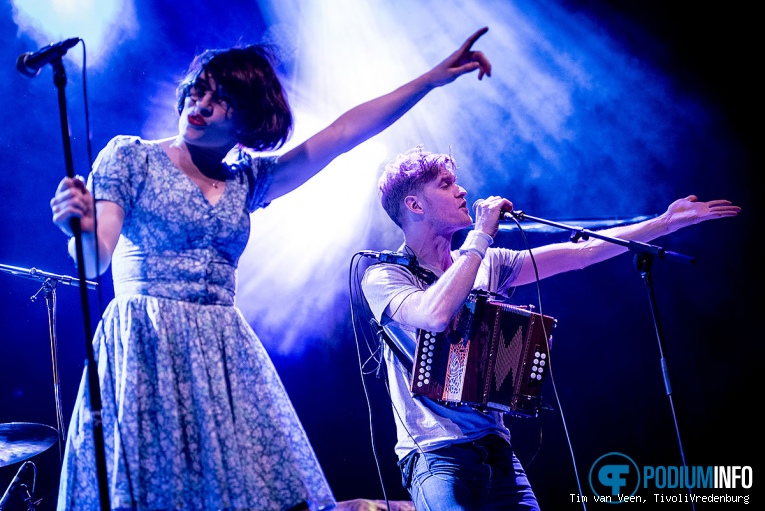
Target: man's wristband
[477,242]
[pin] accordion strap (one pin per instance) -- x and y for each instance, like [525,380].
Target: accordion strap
[424,275]
[384,337]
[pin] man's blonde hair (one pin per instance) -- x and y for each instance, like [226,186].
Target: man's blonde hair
[406,174]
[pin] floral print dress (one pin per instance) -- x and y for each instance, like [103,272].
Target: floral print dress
[194,413]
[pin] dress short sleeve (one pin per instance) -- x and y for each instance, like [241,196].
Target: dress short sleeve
[259,172]
[119,171]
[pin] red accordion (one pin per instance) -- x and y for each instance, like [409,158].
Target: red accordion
[493,356]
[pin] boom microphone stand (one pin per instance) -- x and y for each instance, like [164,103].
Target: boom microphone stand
[644,257]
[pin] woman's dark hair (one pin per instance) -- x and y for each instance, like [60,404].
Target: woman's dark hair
[246,80]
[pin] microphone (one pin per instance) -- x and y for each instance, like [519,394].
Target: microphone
[504,215]
[15,483]
[510,217]
[29,64]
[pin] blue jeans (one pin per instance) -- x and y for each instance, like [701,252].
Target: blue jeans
[481,475]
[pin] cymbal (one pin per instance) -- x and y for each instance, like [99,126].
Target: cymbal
[22,440]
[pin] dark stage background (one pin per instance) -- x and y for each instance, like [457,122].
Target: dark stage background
[596,110]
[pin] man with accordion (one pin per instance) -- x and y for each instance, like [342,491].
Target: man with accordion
[456,454]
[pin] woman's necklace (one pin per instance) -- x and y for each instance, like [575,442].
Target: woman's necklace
[202,159]
[215,181]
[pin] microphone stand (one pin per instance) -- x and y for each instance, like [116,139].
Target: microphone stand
[17,485]
[644,258]
[49,283]
[94,390]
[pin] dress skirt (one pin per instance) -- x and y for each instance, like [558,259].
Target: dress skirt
[195,417]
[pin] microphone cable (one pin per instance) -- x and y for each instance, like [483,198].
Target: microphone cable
[360,308]
[549,363]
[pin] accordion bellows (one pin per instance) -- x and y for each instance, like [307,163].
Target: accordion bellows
[493,356]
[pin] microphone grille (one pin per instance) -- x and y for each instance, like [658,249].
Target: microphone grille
[21,66]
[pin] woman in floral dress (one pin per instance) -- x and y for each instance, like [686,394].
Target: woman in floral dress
[194,413]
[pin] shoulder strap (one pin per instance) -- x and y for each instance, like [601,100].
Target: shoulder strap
[383,337]
[408,261]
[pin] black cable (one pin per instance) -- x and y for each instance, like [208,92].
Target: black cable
[353,278]
[377,351]
[423,277]
[89,146]
[549,365]
[98,277]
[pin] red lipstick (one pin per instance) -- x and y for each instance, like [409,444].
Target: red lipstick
[196,120]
